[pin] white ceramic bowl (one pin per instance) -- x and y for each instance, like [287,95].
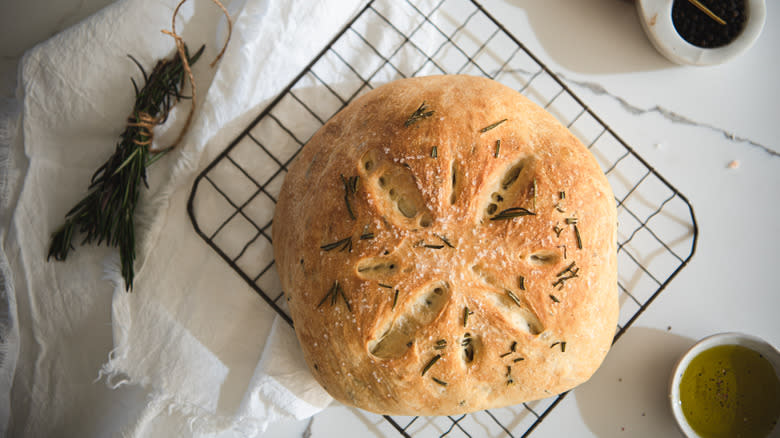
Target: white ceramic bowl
[656,19]
[752,342]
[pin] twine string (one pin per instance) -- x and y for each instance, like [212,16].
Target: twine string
[143,119]
[146,123]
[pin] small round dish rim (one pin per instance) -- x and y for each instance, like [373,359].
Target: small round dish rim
[729,338]
[656,19]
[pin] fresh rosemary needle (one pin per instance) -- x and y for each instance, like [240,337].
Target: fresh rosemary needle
[511,213]
[466,313]
[344,297]
[492,126]
[439,381]
[420,113]
[343,243]
[444,239]
[350,185]
[514,297]
[567,269]
[577,235]
[430,364]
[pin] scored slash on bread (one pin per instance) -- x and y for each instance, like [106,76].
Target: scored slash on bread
[445,249]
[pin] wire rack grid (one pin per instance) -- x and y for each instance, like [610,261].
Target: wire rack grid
[232,200]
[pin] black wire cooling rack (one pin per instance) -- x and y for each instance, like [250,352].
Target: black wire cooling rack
[232,201]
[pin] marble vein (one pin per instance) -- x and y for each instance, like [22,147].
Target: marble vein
[307,431]
[672,116]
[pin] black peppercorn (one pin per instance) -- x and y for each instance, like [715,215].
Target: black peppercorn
[701,30]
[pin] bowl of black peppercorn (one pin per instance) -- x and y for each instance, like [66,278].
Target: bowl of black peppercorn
[702,32]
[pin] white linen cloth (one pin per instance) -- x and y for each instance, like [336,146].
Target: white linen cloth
[192,351]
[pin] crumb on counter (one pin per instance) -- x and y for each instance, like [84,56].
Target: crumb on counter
[734,164]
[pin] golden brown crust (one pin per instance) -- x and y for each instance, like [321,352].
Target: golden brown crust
[381,270]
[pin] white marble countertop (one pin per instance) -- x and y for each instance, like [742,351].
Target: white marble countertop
[688,123]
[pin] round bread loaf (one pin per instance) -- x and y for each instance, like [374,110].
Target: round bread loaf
[447,246]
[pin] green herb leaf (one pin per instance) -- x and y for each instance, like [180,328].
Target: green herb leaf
[344,297]
[430,364]
[514,297]
[564,250]
[420,113]
[577,235]
[331,293]
[572,273]
[510,213]
[466,313]
[491,126]
[444,239]
[440,382]
[348,187]
[343,243]
[353,182]
[568,269]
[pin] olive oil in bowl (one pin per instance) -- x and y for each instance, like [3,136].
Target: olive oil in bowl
[730,391]
[727,385]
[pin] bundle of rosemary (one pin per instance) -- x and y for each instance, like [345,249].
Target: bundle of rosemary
[106,214]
